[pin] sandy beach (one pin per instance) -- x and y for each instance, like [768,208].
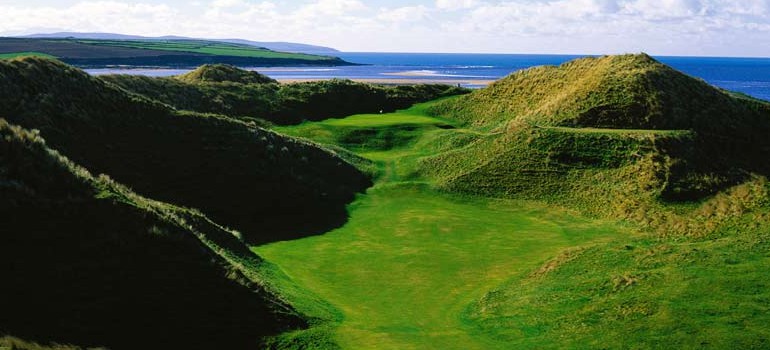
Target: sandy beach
[406,81]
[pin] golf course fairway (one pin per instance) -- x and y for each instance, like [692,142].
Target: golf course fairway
[411,260]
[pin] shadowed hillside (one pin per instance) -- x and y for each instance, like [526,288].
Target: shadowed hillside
[269,186]
[85,261]
[614,135]
[240,93]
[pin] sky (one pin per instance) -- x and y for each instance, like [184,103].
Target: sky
[658,27]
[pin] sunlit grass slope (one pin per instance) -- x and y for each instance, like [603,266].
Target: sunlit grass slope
[628,138]
[616,136]
[644,293]
[621,92]
[409,262]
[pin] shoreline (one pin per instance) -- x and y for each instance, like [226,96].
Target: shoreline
[399,81]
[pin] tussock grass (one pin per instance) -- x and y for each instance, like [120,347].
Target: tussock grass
[619,92]
[617,136]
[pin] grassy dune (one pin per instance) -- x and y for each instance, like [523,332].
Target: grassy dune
[616,136]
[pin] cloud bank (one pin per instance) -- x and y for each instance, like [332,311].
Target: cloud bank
[669,27]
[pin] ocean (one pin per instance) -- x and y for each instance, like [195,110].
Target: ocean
[746,75]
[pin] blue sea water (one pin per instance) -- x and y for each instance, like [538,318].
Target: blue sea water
[747,75]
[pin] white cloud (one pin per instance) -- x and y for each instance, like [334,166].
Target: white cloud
[456,4]
[404,14]
[665,9]
[332,7]
[718,27]
[227,3]
[89,16]
[570,17]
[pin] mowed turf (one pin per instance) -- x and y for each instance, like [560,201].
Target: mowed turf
[411,261]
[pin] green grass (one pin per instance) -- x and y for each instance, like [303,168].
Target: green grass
[410,260]
[619,131]
[418,268]
[709,293]
[614,136]
[205,47]
[383,120]
[24,54]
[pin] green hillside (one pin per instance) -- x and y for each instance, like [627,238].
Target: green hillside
[97,53]
[557,125]
[620,92]
[240,93]
[86,261]
[266,185]
[203,47]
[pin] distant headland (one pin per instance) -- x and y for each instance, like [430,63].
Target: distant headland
[101,50]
